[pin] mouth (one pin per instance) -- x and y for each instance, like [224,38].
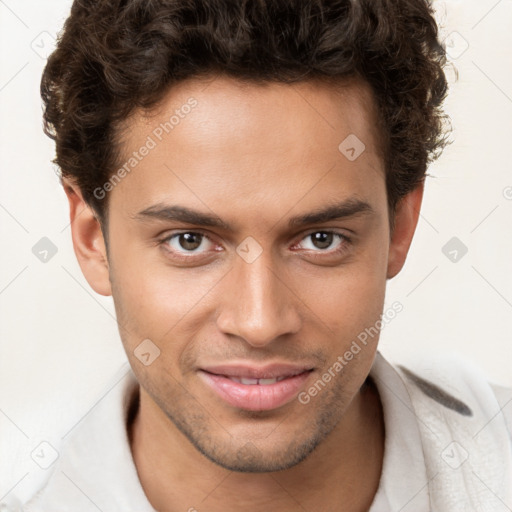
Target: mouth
[251,382]
[256,389]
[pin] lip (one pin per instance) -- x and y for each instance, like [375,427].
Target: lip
[256,397]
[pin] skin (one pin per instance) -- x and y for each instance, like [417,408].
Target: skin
[253,156]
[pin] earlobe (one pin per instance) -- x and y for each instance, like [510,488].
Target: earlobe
[406,219]
[88,241]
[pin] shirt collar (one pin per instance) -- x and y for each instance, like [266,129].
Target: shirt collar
[96,468]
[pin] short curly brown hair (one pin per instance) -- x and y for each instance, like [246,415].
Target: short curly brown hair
[115,56]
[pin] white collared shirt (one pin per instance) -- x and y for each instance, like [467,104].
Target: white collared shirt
[96,470]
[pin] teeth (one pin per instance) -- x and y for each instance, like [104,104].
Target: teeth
[252,382]
[249,381]
[267,381]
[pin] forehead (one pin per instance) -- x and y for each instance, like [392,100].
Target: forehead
[236,108]
[222,138]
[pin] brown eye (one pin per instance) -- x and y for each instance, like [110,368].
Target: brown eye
[324,242]
[189,241]
[322,239]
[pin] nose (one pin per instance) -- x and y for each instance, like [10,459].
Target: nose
[258,304]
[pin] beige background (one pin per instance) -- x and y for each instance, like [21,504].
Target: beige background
[59,347]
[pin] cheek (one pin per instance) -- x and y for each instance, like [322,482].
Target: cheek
[346,299]
[156,300]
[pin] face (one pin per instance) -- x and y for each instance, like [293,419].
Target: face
[245,244]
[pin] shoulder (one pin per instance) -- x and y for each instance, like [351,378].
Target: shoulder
[458,385]
[464,422]
[95,470]
[504,397]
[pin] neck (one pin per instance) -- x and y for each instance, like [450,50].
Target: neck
[344,468]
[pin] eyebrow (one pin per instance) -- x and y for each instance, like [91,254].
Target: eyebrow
[349,208]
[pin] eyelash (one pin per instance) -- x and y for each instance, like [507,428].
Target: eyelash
[345,242]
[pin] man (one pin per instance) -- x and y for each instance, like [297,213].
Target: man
[243,179]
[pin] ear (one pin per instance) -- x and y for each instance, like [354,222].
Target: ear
[88,241]
[406,219]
